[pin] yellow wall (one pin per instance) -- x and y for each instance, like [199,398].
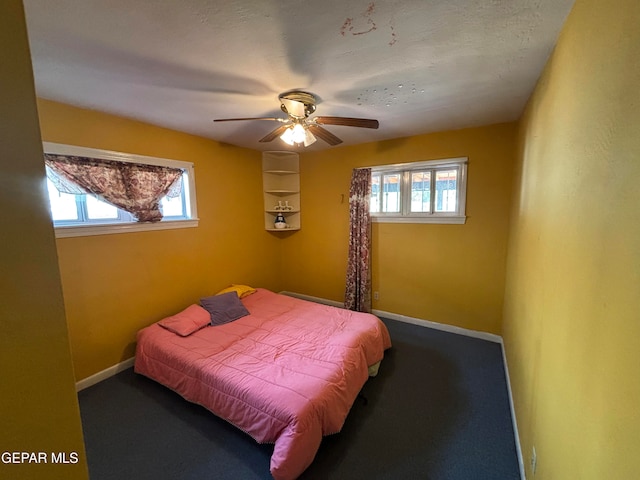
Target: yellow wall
[572,303]
[451,274]
[115,284]
[38,405]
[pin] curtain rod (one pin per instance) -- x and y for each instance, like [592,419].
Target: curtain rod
[438,161]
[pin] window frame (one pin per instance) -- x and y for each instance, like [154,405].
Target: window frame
[65,228]
[405,170]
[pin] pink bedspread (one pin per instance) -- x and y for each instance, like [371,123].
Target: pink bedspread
[287,374]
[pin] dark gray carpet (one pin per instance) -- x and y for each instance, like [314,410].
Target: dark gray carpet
[438,409]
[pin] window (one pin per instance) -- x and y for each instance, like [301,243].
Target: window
[79,214]
[421,192]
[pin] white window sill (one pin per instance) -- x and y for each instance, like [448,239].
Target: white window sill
[88,230]
[449,219]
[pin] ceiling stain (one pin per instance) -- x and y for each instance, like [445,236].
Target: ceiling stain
[359,29]
[364,23]
[394,37]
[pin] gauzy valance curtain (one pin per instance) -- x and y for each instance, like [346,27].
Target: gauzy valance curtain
[133,187]
[358,290]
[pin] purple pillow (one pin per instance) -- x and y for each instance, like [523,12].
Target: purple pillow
[224,308]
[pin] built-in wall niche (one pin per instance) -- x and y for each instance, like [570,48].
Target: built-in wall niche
[281,189]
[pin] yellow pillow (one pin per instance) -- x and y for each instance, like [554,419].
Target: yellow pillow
[241,290]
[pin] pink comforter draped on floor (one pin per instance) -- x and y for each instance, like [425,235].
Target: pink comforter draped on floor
[287,374]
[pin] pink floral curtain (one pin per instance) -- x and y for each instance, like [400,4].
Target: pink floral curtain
[133,187]
[358,290]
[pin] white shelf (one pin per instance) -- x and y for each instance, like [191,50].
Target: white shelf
[282,192]
[280,183]
[281,172]
[282,229]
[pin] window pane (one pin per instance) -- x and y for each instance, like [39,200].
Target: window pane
[446,183]
[172,207]
[391,189]
[421,191]
[99,210]
[186,194]
[63,205]
[374,204]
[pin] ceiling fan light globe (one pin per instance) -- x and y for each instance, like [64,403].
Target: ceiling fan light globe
[309,138]
[287,137]
[298,133]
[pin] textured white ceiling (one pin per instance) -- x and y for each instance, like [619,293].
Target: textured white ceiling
[417,66]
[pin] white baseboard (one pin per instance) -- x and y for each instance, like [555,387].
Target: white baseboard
[440,326]
[447,328]
[513,414]
[104,374]
[403,318]
[324,301]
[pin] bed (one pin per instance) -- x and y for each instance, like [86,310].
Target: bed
[286,373]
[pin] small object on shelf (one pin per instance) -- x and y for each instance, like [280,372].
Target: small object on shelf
[280,221]
[287,206]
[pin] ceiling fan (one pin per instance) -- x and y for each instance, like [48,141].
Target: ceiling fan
[298,128]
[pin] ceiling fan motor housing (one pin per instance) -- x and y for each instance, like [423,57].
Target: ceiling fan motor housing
[304,98]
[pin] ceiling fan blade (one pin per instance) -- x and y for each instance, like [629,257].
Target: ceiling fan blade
[324,134]
[347,122]
[248,118]
[274,134]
